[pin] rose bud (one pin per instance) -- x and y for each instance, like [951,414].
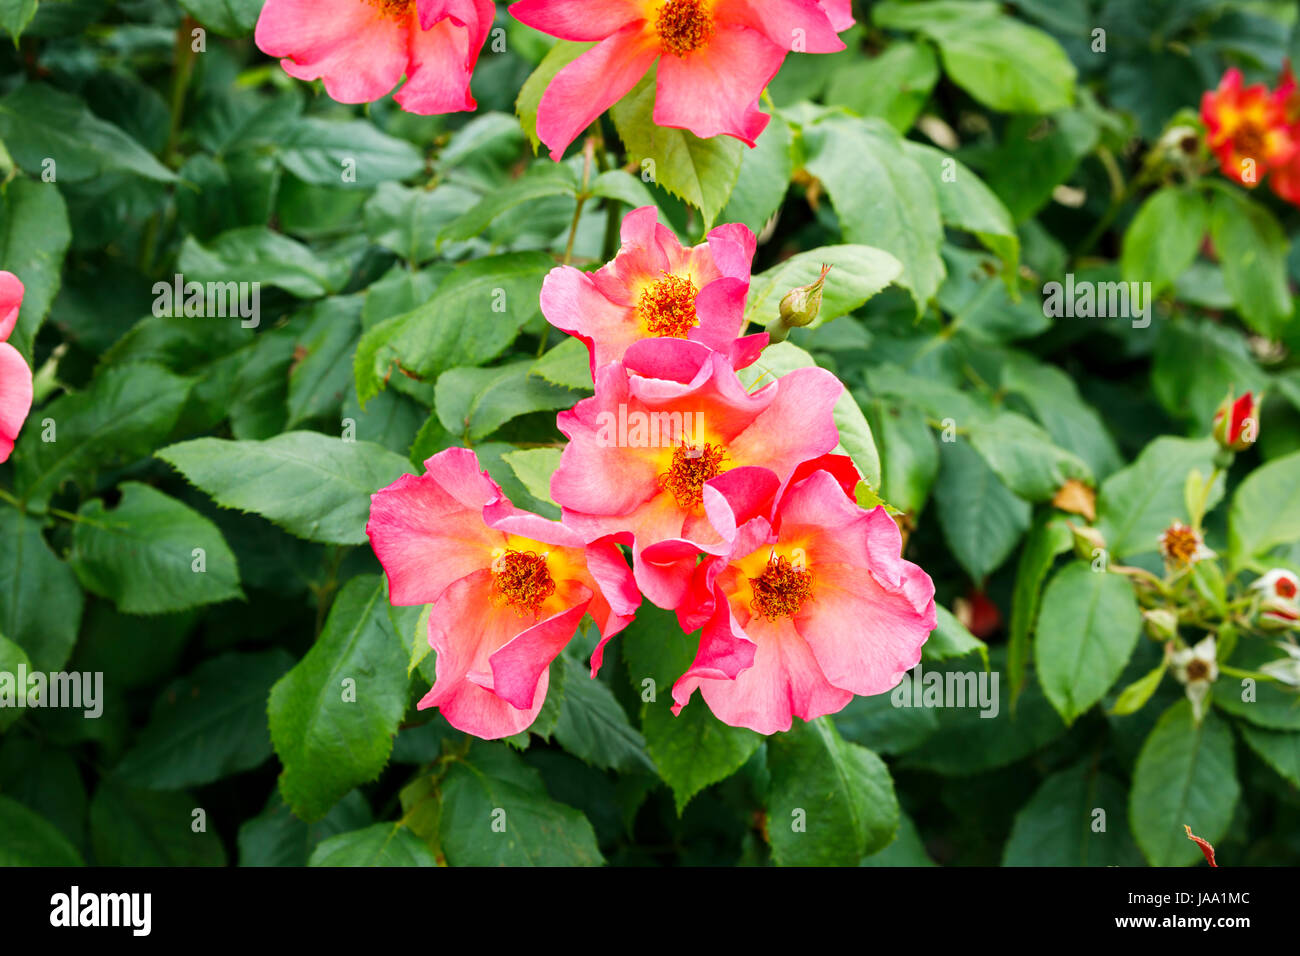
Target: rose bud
[1236,422]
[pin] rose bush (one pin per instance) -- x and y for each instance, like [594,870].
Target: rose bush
[437,432]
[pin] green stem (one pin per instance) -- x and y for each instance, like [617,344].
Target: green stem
[182,73]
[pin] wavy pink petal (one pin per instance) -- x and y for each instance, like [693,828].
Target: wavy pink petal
[617,596]
[11,300]
[592,84]
[800,26]
[441,62]
[783,682]
[797,425]
[465,629]
[865,636]
[839,12]
[15,397]
[582,20]
[572,302]
[357,51]
[517,666]
[715,90]
[428,530]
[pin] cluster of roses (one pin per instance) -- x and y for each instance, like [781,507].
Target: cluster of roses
[1255,132]
[1275,605]
[715,56]
[737,513]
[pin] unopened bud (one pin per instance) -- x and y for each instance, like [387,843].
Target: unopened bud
[1236,422]
[1087,541]
[1161,623]
[803,304]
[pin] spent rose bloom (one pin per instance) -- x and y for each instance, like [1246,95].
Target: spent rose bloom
[1182,546]
[15,376]
[1196,668]
[656,287]
[1249,132]
[715,57]
[812,604]
[362,48]
[664,422]
[1236,422]
[508,589]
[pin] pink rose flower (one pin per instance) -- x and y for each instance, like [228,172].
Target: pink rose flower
[15,376]
[666,421]
[812,604]
[362,48]
[656,287]
[715,57]
[508,589]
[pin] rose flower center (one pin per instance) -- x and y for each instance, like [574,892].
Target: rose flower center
[1251,141]
[684,25]
[397,10]
[522,580]
[1181,544]
[667,307]
[690,469]
[781,589]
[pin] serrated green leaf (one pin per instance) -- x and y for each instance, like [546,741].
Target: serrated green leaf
[496,812]
[123,414]
[1088,626]
[1185,776]
[141,554]
[700,171]
[830,802]
[383,844]
[311,485]
[333,716]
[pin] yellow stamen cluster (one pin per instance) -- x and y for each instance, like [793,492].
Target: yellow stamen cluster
[667,307]
[781,589]
[690,469]
[397,10]
[1180,544]
[521,580]
[684,26]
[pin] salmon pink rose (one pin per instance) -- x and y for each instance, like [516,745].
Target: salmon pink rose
[1248,128]
[362,48]
[508,589]
[665,422]
[15,376]
[656,287]
[715,58]
[812,604]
